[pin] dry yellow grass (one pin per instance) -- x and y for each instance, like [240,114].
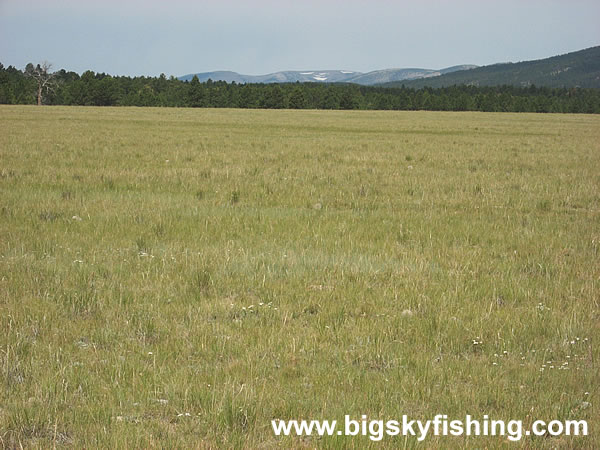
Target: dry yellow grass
[178,278]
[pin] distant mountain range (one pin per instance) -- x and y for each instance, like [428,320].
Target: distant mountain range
[577,69]
[327,76]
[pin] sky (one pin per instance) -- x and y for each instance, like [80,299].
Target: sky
[178,37]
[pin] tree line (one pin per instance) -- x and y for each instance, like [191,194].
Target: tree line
[100,89]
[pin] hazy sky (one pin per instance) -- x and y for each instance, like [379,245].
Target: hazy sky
[177,37]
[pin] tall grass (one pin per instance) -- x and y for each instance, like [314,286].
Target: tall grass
[178,278]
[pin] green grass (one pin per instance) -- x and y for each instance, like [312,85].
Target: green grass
[241,266]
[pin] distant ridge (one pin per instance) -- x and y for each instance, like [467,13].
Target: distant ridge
[576,69]
[326,76]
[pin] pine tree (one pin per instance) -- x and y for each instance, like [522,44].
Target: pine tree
[195,93]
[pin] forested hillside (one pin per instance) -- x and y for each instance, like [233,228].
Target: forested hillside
[577,69]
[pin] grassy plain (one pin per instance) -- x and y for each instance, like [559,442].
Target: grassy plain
[180,277]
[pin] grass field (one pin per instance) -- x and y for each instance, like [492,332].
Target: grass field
[180,277]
